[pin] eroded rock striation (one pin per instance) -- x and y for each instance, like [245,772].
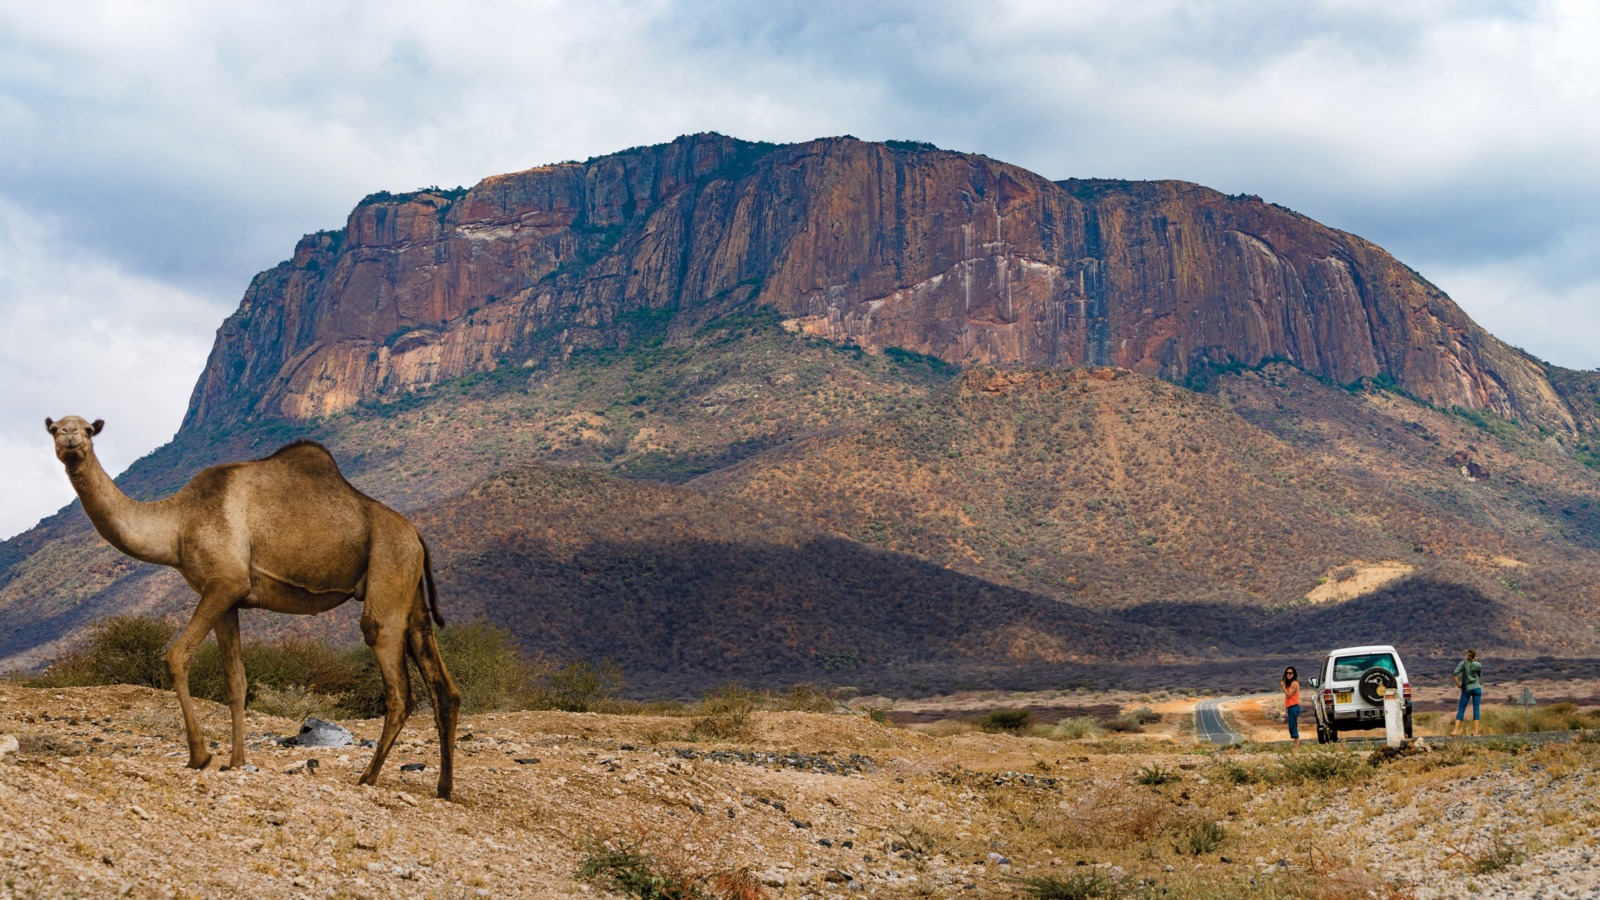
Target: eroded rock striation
[885,245]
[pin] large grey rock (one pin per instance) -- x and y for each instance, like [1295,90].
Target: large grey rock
[316,733]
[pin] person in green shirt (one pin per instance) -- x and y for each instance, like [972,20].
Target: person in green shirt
[1468,676]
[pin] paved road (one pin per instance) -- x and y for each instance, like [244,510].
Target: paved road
[1209,725]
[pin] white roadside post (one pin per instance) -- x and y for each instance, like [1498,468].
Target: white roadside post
[1394,728]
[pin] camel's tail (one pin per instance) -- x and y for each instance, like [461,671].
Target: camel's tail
[427,577]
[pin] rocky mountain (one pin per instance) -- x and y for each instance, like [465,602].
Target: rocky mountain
[894,415]
[952,255]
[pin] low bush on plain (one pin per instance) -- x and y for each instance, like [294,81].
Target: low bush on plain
[1155,775]
[807,697]
[1073,728]
[580,687]
[1006,720]
[1076,886]
[1202,837]
[1300,768]
[1144,715]
[120,650]
[297,676]
[488,667]
[725,713]
[633,871]
[1230,772]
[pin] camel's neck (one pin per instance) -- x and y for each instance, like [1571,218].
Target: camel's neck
[144,531]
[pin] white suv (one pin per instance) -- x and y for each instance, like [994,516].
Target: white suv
[1349,688]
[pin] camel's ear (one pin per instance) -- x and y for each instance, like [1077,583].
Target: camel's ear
[49,424]
[98,426]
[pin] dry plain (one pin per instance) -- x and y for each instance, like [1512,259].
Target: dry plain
[95,801]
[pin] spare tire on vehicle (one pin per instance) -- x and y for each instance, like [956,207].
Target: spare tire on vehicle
[1375,684]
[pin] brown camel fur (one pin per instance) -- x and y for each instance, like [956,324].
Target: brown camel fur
[289,534]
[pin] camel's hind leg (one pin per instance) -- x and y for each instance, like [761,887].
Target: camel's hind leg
[441,690]
[233,678]
[387,640]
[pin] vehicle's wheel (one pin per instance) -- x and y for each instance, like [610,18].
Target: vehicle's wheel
[1374,684]
[1322,734]
[1407,721]
[1333,735]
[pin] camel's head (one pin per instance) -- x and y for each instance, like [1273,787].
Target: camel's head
[72,436]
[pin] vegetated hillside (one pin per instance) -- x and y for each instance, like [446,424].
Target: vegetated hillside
[864,519]
[1119,491]
[683,588]
[658,410]
[1525,528]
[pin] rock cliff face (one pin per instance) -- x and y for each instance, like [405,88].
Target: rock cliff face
[898,245]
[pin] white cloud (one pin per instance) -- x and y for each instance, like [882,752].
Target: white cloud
[176,147]
[1544,302]
[84,338]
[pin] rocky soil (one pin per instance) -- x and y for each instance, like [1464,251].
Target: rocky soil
[95,801]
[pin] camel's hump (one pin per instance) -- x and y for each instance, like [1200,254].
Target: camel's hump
[305,449]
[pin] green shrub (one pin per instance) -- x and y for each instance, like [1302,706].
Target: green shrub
[120,650]
[1202,837]
[1010,720]
[487,666]
[1074,728]
[580,687]
[807,697]
[1230,772]
[1500,855]
[1335,765]
[634,873]
[364,699]
[295,674]
[1077,886]
[297,665]
[725,713]
[1123,725]
[1144,715]
[294,702]
[1156,775]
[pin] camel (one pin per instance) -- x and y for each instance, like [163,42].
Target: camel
[286,533]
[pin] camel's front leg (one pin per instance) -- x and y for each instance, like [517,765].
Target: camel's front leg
[233,678]
[217,599]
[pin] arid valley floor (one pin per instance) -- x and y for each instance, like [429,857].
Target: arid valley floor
[95,801]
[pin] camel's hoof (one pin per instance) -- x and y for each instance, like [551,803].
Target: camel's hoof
[369,778]
[444,792]
[199,762]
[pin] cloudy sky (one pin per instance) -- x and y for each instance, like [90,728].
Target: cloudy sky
[154,155]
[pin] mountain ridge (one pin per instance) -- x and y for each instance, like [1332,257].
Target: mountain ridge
[953,255]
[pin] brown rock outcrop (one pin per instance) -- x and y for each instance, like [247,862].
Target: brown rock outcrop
[903,245]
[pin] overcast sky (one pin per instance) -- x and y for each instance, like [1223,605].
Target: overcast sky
[155,155]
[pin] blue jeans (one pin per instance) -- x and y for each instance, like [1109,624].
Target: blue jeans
[1292,714]
[1461,707]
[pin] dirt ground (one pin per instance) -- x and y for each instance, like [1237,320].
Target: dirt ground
[95,801]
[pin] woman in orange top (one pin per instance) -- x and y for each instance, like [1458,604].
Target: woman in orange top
[1291,702]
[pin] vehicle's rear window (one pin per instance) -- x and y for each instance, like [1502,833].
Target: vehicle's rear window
[1349,668]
